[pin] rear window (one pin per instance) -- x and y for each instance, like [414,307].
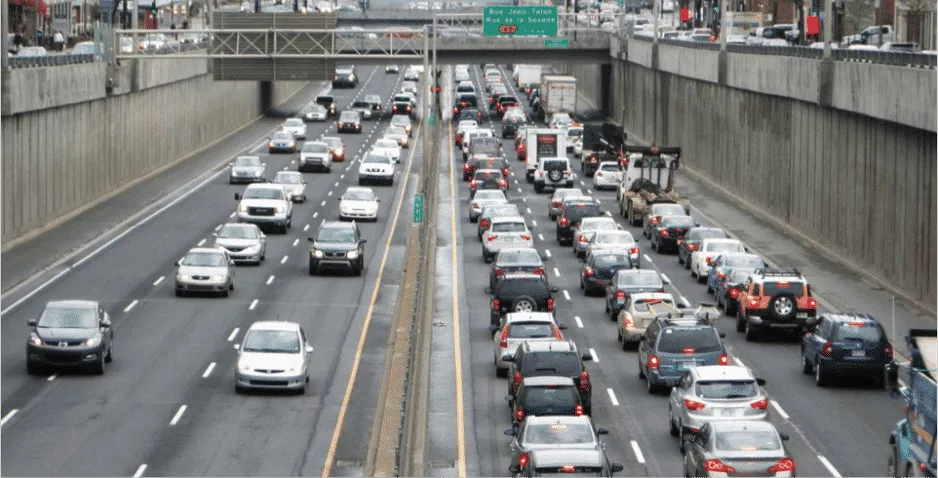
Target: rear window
[724,247]
[508,227]
[668,210]
[515,287]
[580,210]
[560,164]
[551,396]
[747,441]
[678,221]
[706,234]
[486,175]
[865,331]
[746,262]
[559,434]
[794,288]
[727,389]
[520,256]
[609,167]
[644,305]
[675,340]
[562,364]
[530,330]
[640,278]
[620,261]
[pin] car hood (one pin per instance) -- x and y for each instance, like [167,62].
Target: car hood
[308,154]
[375,167]
[347,204]
[262,202]
[56,333]
[202,271]
[335,246]
[247,169]
[236,242]
[294,188]
[388,151]
[270,361]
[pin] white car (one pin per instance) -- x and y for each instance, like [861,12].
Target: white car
[389,148]
[296,127]
[461,75]
[519,327]
[358,203]
[607,175]
[316,113]
[265,204]
[408,87]
[472,134]
[153,41]
[589,226]
[398,134]
[293,183]
[206,270]
[376,168]
[315,155]
[615,240]
[560,121]
[392,69]
[465,126]
[274,355]
[411,74]
[505,232]
[709,250]
[403,121]
[486,197]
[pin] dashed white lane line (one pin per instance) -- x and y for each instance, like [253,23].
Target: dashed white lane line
[234,333]
[177,416]
[295,242]
[534,223]
[582,183]
[232,214]
[639,457]
[306,227]
[52,377]
[612,397]
[778,408]
[595,356]
[284,260]
[8,416]
[253,304]
[315,215]
[739,362]
[520,190]
[665,278]
[157,282]
[524,199]
[528,210]
[566,295]
[270,280]
[131,306]
[341,176]
[323,203]
[556,272]
[540,237]
[140,471]
[829,467]
[685,302]
[598,201]
[516,181]
[200,243]
[208,371]
[645,256]
[547,251]
[589,191]
[336,184]
[579,322]
[218,227]
[329,193]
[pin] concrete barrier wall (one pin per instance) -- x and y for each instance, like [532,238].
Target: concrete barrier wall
[58,159]
[689,62]
[787,76]
[893,93]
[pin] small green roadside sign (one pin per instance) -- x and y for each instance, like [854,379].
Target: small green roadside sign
[519,21]
[418,208]
[551,43]
[432,119]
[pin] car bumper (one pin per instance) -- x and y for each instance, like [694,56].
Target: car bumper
[53,355]
[605,183]
[201,286]
[853,368]
[245,179]
[281,149]
[343,129]
[329,263]
[499,363]
[314,117]
[596,282]
[632,334]
[375,177]
[767,322]
[269,381]
[655,378]
[245,255]
[275,219]
[695,421]
[358,214]
[314,163]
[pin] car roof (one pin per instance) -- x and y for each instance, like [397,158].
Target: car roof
[547,380]
[247,157]
[721,240]
[851,317]
[559,457]
[722,372]
[551,346]
[598,219]
[264,186]
[289,173]
[513,317]
[275,325]
[72,304]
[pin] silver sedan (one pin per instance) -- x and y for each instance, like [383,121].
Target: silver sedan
[273,356]
[205,269]
[243,242]
[293,184]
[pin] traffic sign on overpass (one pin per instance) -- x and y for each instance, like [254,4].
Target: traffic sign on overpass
[519,21]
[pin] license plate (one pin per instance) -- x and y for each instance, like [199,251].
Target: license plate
[801,315]
[858,353]
[730,412]
[684,365]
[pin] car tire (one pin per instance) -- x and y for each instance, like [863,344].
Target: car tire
[361,182]
[820,375]
[626,346]
[313,270]
[806,367]
[358,270]
[239,389]
[729,309]
[180,293]
[501,372]
[650,387]
[110,354]
[740,322]
[33,368]
[97,368]
[709,289]
[751,331]
[301,390]
[673,429]
[225,293]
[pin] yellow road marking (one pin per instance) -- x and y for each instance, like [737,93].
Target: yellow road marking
[457,347]
[343,409]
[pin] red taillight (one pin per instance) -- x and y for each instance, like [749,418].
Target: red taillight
[523,460]
[519,414]
[525,237]
[664,233]
[555,204]
[473,183]
[620,295]
[724,359]
[506,172]
[539,271]
[582,238]
[516,382]
[563,221]
[408,108]
[653,362]
[502,182]
[462,104]
[499,272]
[455,110]
[721,275]
[578,411]
[753,302]
[522,147]
[694,405]
[588,272]
[467,167]
[688,350]
[826,349]
[888,351]
[718,466]
[634,250]
[785,464]
[760,404]
[492,237]
[626,323]
[693,246]
[550,305]
[584,380]
[496,305]
[654,220]
[812,304]
[567,469]
[734,293]
[484,223]
[503,340]
[557,334]
[709,261]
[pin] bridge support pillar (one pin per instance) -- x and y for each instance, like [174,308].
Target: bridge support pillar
[266,95]
[826,82]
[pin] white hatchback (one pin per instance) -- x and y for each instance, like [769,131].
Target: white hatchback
[607,176]
[389,148]
[505,232]
[296,127]
[358,203]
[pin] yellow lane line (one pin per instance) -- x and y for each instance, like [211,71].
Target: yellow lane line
[457,346]
[343,409]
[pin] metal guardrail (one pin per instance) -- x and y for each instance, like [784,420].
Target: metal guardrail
[52,60]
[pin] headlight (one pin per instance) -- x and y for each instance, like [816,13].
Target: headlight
[352,255]
[94,341]
[340,151]
[270,144]
[244,367]
[253,248]
[218,278]
[34,339]
[243,208]
[316,253]
[182,277]
[279,209]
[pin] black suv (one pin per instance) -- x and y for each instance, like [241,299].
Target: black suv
[327,102]
[773,300]
[552,358]
[546,395]
[668,233]
[520,292]
[402,108]
[337,245]
[469,114]
[571,213]
[691,242]
[464,101]
[345,77]
[70,333]
[496,162]
[845,344]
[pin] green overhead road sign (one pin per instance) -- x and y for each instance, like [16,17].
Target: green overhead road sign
[519,21]
[418,208]
[549,43]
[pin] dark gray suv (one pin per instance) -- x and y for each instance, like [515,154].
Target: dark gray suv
[70,333]
[337,245]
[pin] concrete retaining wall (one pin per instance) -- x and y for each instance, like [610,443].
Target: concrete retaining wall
[58,159]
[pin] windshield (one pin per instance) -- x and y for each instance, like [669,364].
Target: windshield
[747,261]
[639,278]
[609,167]
[614,239]
[341,235]
[293,122]
[738,276]
[288,178]
[247,162]
[376,159]
[724,247]
[860,331]
[740,440]
[619,261]
[489,195]
[676,340]
[508,227]
[238,231]
[358,195]
[204,259]
[727,389]
[272,341]
[530,330]
[264,193]
[315,148]
[559,434]
[524,256]
[69,318]
[386,143]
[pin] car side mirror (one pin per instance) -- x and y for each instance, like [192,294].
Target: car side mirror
[510,432]
[563,326]
[760,382]
[508,358]
[587,357]
[231,262]
[555,289]
[310,239]
[488,290]
[811,322]
[378,200]
[263,165]
[106,322]
[231,164]
[304,183]
[783,436]
[616,467]
[309,348]
[545,258]
[514,469]
[237,347]
[32,322]
[602,431]
[696,224]
[363,241]
[722,335]
[237,196]
[665,280]
[176,263]
[338,199]
[507,398]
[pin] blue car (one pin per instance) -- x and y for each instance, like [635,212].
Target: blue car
[729,261]
[845,345]
[677,341]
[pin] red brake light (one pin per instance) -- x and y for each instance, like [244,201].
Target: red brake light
[584,380]
[455,110]
[555,204]
[753,302]
[557,334]
[634,250]
[626,322]
[502,182]
[785,464]
[467,167]
[857,324]
[523,460]
[724,359]
[484,223]
[462,104]
[563,221]
[496,305]
[693,404]
[539,271]
[473,183]
[521,147]
[503,340]
[578,411]
[506,172]
[760,404]
[783,283]
[588,272]
[567,469]
[550,305]
[734,293]
[492,237]
[620,295]
[525,237]
[499,272]
[888,351]
[664,233]
[709,261]
[688,350]
[519,414]
[654,220]
[812,304]
[582,238]
[693,246]
[517,379]
[826,349]
[718,466]
[721,275]
[653,362]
